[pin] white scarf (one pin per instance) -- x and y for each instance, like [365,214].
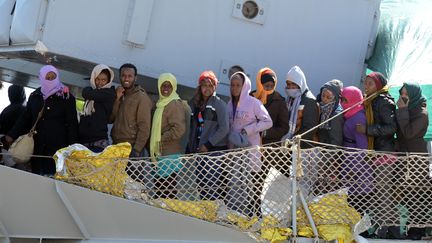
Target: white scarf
[292,105]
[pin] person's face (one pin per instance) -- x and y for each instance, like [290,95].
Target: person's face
[344,100]
[101,80]
[404,92]
[327,96]
[291,85]
[166,89]
[207,89]
[369,86]
[269,86]
[127,77]
[50,76]
[236,87]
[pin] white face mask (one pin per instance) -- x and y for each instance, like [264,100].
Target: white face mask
[293,93]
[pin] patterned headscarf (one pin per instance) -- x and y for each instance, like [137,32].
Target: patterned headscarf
[335,87]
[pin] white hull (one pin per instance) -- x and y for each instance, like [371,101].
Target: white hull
[36,207]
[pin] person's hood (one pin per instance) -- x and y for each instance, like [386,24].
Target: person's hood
[414,94]
[96,71]
[296,75]
[16,94]
[335,86]
[260,93]
[246,89]
[353,98]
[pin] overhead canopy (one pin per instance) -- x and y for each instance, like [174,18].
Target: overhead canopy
[403,50]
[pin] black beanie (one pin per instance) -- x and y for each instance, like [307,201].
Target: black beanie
[267,78]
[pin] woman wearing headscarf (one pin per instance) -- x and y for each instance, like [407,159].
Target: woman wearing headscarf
[266,82]
[380,114]
[167,132]
[58,126]
[413,120]
[248,118]
[99,101]
[209,125]
[208,133]
[330,132]
[303,111]
[380,130]
[356,173]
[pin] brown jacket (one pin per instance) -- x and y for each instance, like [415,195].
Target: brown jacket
[173,128]
[277,109]
[412,126]
[132,118]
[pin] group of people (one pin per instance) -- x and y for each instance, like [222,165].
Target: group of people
[206,123]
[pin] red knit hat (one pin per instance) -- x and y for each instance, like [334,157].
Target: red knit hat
[379,79]
[210,75]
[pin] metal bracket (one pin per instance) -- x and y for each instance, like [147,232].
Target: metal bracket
[5,235]
[71,211]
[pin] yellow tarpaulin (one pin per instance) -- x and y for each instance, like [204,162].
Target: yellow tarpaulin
[104,172]
[333,217]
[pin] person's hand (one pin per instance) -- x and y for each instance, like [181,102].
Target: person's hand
[203,149]
[361,129]
[402,102]
[7,141]
[119,92]
[134,154]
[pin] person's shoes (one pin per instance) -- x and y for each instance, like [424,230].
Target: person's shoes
[366,234]
[394,232]
[381,232]
[416,233]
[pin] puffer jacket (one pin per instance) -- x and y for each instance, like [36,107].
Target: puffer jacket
[384,126]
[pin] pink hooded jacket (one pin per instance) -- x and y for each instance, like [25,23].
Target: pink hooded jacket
[250,115]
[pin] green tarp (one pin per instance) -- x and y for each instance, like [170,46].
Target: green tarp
[403,49]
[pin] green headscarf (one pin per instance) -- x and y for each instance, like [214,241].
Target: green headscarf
[414,94]
[156,130]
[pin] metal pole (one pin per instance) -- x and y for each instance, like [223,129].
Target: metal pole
[308,214]
[294,155]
